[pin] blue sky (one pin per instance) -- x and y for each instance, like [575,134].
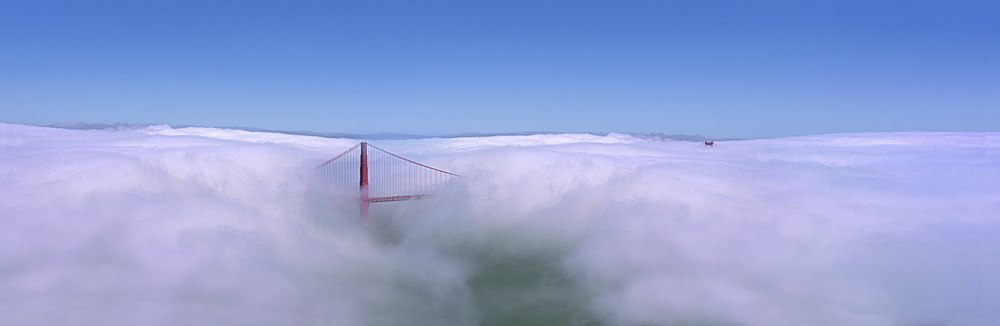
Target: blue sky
[723,68]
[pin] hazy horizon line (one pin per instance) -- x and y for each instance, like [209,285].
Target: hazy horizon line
[385,135]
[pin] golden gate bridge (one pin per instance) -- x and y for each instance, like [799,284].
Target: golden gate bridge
[381,176]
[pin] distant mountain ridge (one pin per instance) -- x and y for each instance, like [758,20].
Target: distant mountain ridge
[383,135]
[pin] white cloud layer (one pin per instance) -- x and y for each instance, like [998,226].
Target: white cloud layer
[200,226]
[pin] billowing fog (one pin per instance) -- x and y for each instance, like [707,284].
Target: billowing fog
[201,226]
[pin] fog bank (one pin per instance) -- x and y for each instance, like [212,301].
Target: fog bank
[195,226]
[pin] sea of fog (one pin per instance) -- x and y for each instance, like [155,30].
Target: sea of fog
[203,226]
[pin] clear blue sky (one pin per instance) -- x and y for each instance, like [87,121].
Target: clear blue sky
[723,68]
